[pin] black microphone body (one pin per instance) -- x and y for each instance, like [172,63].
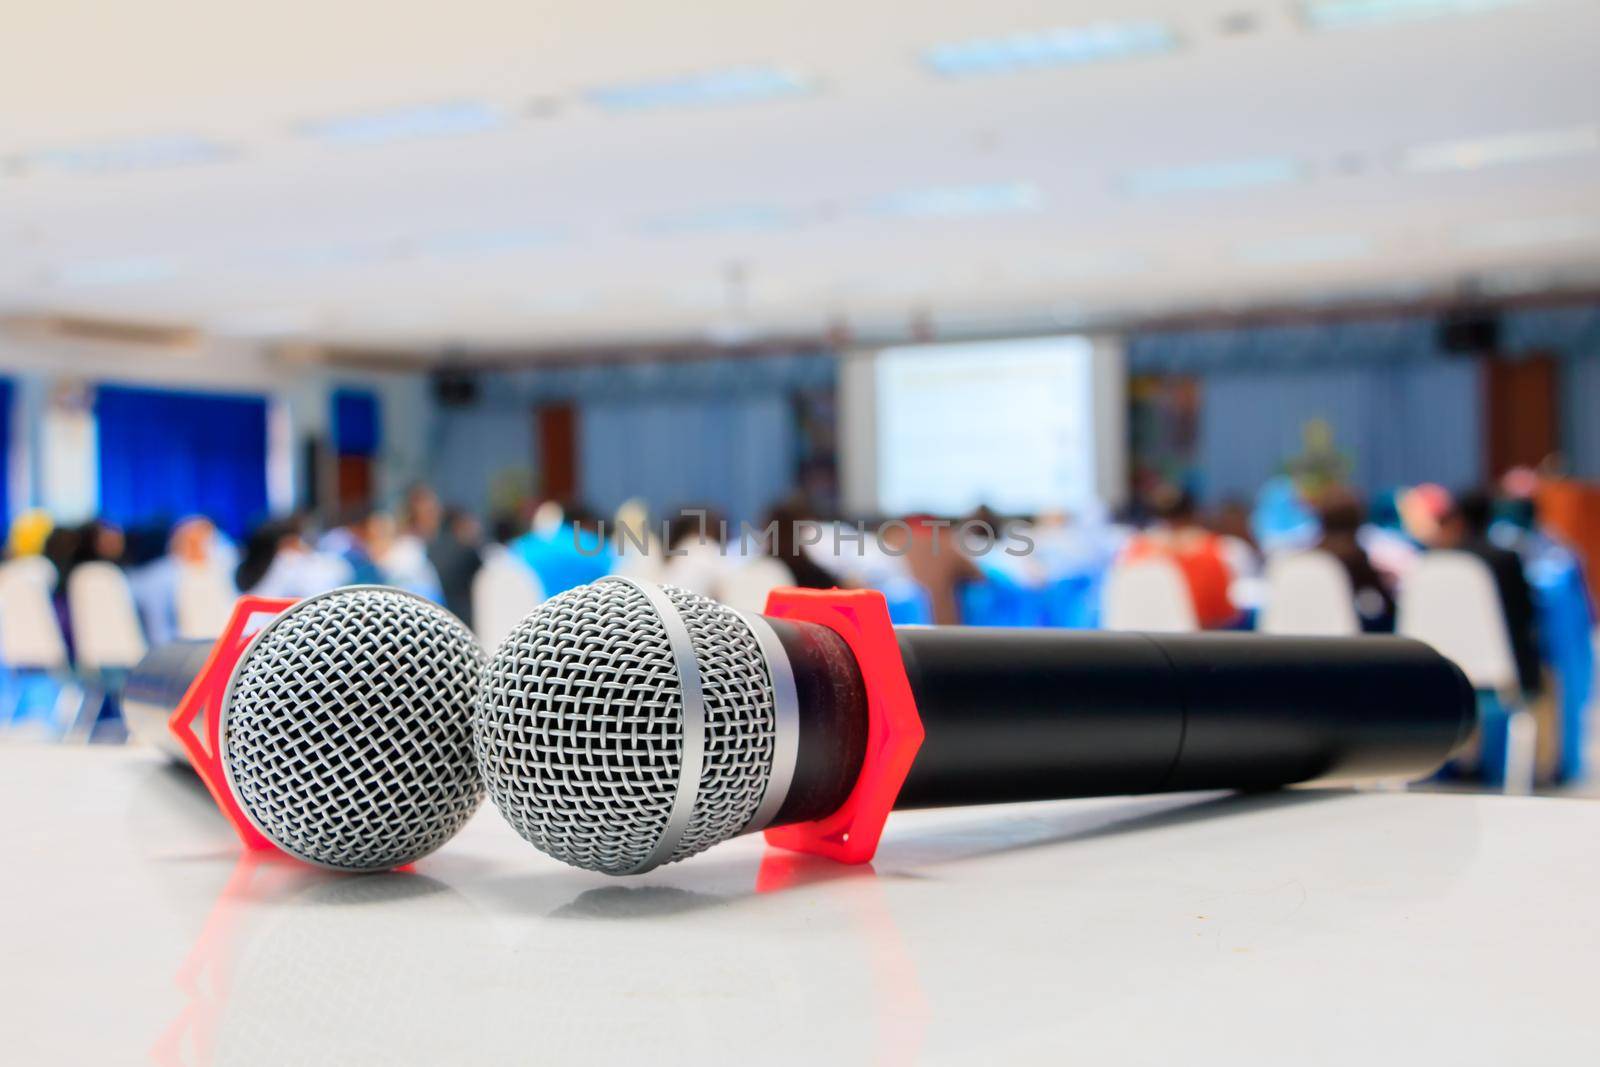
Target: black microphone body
[1035,714]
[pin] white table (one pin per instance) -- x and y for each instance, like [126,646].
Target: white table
[1298,928]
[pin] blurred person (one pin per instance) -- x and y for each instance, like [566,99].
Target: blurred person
[1231,522]
[696,555]
[1341,525]
[1070,543]
[28,534]
[638,550]
[278,562]
[1281,520]
[95,541]
[785,547]
[367,537]
[153,573]
[456,554]
[1464,527]
[564,548]
[1423,509]
[1390,550]
[406,561]
[1197,552]
[935,561]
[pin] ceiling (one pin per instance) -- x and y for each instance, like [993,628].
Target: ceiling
[388,174]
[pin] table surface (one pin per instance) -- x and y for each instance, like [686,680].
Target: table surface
[1302,927]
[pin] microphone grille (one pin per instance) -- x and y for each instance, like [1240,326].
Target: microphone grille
[346,729]
[580,726]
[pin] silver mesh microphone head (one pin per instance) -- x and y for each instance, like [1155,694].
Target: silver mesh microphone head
[346,728]
[623,725]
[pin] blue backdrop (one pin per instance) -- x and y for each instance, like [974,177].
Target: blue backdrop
[165,454]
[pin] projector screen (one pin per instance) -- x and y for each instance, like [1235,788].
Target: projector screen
[1022,425]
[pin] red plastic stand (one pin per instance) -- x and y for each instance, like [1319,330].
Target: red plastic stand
[196,720]
[894,730]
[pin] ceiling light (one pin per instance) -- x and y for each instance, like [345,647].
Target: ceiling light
[1320,248]
[448,119]
[1527,147]
[1515,233]
[1338,14]
[954,201]
[133,271]
[734,86]
[1208,177]
[1067,46]
[143,153]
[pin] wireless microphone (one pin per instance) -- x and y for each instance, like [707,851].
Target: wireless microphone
[622,725]
[336,729]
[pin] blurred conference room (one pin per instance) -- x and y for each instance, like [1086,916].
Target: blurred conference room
[1278,316]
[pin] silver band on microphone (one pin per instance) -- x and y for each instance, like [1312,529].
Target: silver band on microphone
[692,753]
[786,724]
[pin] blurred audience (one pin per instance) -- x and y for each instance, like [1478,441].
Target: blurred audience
[564,547]
[934,561]
[28,534]
[1464,527]
[697,554]
[456,554]
[785,547]
[279,562]
[1341,517]
[1178,535]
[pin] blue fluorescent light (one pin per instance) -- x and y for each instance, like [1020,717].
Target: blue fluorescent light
[1068,46]
[735,86]
[957,201]
[1209,177]
[449,119]
[1338,14]
[142,153]
[136,271]
[1319,248]
[489,242]
[731,219]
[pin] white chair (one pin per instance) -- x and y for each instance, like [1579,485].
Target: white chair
[105,622]
[1148,595]
[1451,602]
[504,591]
[30,634]
[106,638]
[38,691]
[745,587]
[203,600]
[1308,593]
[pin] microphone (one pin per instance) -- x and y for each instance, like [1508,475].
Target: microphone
[624,725]
[336,729]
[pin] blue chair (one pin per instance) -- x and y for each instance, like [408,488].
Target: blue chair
[1566,620]
[1073,602]
[1000,600]
[909,604]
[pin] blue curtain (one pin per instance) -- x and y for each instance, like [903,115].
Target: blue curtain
[477,450]
[164,455]
[356,429]
[1398,424]
[735,454]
